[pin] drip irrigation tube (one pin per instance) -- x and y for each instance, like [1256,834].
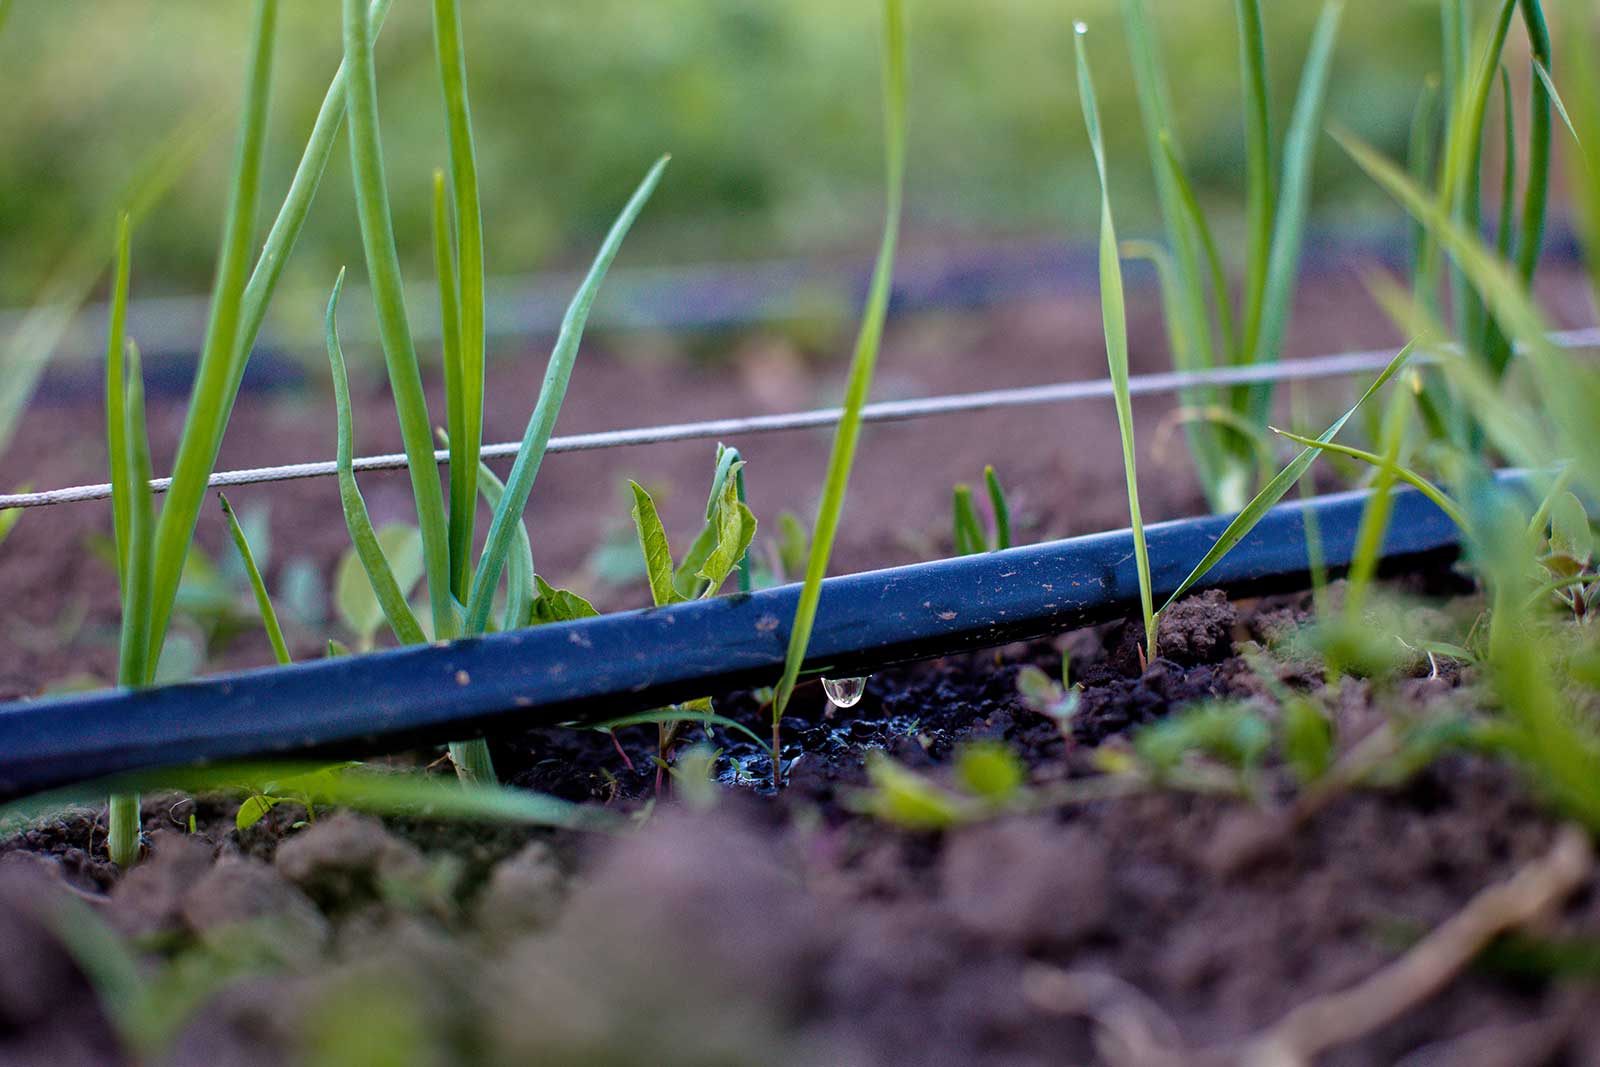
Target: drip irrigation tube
[601,668]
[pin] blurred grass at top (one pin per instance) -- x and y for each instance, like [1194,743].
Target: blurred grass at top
[770,109]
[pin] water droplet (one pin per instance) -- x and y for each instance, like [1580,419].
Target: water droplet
[845,692]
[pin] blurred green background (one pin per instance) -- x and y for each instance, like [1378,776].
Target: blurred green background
[771,110]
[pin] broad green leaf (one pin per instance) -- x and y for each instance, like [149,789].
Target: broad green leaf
[653,544]
[1570,532]
[905,799]
[686,579]
[736,528]
[557,605]
[990,770]
[254,809]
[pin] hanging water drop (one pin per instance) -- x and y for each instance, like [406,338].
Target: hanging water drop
[844,692]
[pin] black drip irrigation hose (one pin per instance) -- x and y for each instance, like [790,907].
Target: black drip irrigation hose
[602,668]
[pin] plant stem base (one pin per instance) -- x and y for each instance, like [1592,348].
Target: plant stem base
[473,765]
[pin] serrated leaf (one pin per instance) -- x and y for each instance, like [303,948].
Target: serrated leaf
[653,544]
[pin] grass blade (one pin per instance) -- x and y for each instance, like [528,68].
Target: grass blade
[1113,312]
[966,535]
[1404,474]
[394,331]
[1188,328]
[269,617]
[466,434]
[1279,486]
[1002,509]
[362,536]
[461,511]
[116,403]
[863,362]
[1380,507]
[136,654]
[206,414]
[1259,209]
[519,565]
[291,218]
[1220,299]
[1288,235]
[541,424]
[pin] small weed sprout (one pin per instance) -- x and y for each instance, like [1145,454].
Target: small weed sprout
[862,364]
[1056,701]
[967,534]
[1114,316]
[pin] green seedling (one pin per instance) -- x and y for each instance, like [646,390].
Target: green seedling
[1204,328]
[153,549]
[721,548]
[1567,561]
[1114,316]
[967,531]
[460,595]
[1229,735]
[863,362]
[989,780]
[1056,701]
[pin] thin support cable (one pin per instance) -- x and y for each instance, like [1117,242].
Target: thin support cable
[1336,366]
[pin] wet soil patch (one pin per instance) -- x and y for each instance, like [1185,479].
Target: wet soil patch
[795,929]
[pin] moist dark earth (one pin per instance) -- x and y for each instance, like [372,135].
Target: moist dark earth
[797,930]
[1167,925]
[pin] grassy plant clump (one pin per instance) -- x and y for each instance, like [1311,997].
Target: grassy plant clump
[1204,327]
[460,595]
[863,362]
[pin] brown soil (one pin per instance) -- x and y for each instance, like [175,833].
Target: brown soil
[802,932]
[788,930]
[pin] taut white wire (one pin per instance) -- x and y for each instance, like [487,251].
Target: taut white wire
[1335,366]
